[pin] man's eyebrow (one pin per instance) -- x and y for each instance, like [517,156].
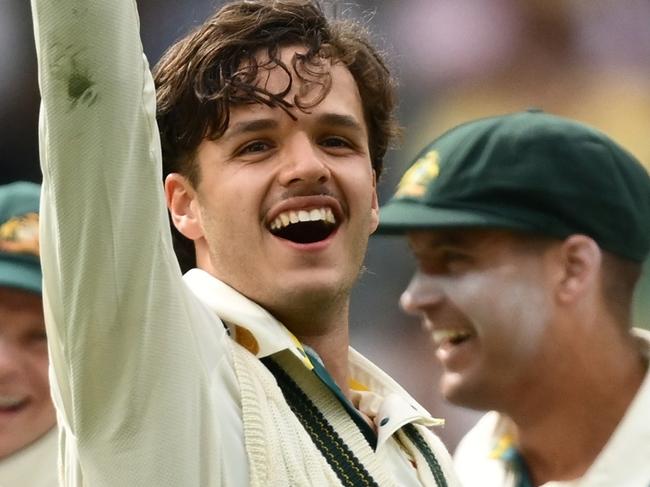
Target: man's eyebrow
[328,119]
[443,240]
[446,239]
[249,126]
[340,120]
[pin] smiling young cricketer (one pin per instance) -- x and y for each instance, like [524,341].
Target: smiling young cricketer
[271,127]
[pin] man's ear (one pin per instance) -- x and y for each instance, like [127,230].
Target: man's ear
[374,205]
[580,260]
[182,203]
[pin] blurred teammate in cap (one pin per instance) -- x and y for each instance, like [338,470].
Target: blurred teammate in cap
[529,233]
[28,446]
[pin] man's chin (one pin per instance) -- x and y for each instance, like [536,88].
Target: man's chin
[313,296]
[308,303]
[458,389]
[321,284]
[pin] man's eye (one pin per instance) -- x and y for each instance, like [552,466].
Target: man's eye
[454,262]
[257,146]
[450,255]
[335,142]
[443,262]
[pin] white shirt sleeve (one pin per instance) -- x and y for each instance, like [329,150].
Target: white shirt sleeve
[141,374]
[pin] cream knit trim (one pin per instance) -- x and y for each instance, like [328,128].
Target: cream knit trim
[280,451]
[424,471]
[331,408]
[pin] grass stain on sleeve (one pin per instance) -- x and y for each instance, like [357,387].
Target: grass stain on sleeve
[80,89]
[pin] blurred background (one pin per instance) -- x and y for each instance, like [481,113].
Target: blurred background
[455,60]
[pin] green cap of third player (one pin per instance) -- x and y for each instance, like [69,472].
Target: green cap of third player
[19,244]
[530,172]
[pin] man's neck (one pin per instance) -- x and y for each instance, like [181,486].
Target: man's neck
[332,348]
[326,332]
[561,436]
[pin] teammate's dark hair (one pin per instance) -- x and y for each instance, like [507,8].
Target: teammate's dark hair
[216,66]
[619,279]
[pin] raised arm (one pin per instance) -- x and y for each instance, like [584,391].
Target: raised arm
[104,215]
[116,307]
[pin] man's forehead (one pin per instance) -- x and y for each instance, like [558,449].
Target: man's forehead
[285,53]
[340,106]
[286,50]
[323,95]
[268,63]
[271,75]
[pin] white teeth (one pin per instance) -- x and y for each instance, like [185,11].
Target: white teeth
[286,218]
[440,336]
[329,216]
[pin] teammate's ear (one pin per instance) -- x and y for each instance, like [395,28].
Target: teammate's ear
[374,204]
[580,260]
[181,201]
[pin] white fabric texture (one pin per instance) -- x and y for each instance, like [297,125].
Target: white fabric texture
[149,388]
[623,462]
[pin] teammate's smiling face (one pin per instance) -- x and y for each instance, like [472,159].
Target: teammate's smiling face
[26,410]
[284,207]
[484,297]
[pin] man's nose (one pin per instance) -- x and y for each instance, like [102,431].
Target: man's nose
[303,162]
[423,292]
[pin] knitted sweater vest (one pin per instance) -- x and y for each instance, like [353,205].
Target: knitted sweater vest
[280,451]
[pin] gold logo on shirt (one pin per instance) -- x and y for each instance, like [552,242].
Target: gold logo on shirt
[19,235]
[415,181]
[246,339]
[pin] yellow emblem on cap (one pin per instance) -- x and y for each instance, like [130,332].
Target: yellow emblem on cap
[415,181]
[19,235]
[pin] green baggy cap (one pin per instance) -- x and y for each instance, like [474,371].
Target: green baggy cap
[530,172]
[19,245]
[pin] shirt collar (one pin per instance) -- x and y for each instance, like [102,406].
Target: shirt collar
[258,331]
[249,324]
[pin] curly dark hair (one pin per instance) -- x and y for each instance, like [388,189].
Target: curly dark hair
[216,66]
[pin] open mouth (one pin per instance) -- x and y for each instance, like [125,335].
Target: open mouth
[304,226]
